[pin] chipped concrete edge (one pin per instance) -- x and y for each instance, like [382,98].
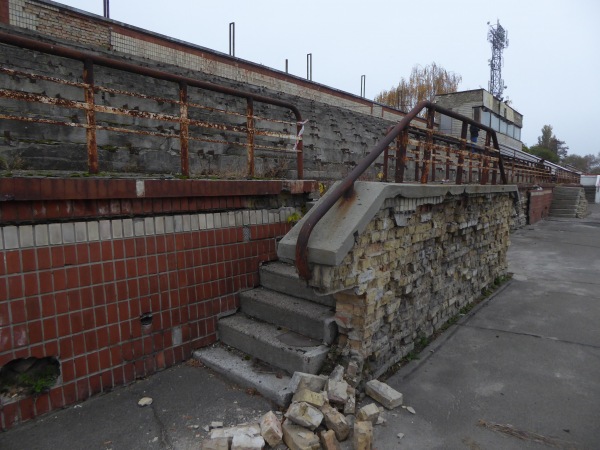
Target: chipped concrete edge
[333,236]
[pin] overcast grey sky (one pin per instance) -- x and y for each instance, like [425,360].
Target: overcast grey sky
[551,70]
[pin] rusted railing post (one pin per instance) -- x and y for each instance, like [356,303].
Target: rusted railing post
[461,153]
[471,169]
[433,168]
[447,163]
[250,137]
[428,146]
[184,130]
[401,146]
[486,160]
[90,113]
[417,161]
[384,170]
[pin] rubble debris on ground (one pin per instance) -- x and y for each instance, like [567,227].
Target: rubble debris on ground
[145,401]
[384,394]
[323,414]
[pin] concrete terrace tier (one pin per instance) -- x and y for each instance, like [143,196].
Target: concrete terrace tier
[333,237]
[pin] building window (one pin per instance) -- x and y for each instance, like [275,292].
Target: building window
[485,118]
[503,127]
[495,122]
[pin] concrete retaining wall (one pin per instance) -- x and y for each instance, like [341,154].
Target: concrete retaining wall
[341,127]
[539,205]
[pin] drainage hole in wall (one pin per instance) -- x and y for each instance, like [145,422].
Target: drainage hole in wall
[26,376]
[146,319]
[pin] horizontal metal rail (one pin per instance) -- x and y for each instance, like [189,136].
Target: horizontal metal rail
[92,109]
[489,154]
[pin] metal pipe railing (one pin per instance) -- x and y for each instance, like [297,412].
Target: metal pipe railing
[89,59]
[345,188]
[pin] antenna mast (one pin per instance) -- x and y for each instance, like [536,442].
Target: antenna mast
[498,37]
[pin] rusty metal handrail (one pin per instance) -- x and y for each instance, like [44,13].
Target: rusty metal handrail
[89,59]
[344,189]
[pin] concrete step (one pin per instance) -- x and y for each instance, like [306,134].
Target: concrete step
[563,210]
[282,277]
[271,383]
[566,195]
[565,202]
[277,346]
[561,214]
[296,314]
[563,206]
[566,199]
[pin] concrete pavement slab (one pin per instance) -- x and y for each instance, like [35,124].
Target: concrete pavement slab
[521,370]
[530,309]
[185,399]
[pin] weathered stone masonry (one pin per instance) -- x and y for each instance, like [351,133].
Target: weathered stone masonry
[415,265]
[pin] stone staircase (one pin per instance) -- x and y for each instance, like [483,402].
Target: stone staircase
[282,327]
[568,202]
[590,193]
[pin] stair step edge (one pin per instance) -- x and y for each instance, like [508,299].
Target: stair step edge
[260,339]
[281,277]
[275,387]
[300,315]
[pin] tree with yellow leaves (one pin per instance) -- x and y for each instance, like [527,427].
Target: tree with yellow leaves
[424,83]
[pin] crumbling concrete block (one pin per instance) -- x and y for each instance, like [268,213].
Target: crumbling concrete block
[299,438]
[305,415]
[312,398]
[369,413]
[245,442]
[301,380]
[336,421]
[215,444]
[337,374]
[270,429]
[329,441]
[337,392]
[352,369]
[384,394]
[363,436]
[252,429]
[350,406]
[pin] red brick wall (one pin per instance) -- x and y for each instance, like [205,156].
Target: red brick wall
[75,289]
[539,205]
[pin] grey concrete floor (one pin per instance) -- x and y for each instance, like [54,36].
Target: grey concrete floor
[185,399]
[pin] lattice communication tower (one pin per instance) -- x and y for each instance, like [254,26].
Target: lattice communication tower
[498,37]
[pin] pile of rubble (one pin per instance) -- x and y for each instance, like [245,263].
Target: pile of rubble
[322,415]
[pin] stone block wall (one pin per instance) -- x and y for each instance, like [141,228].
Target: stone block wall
[118,279]
[417,263]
